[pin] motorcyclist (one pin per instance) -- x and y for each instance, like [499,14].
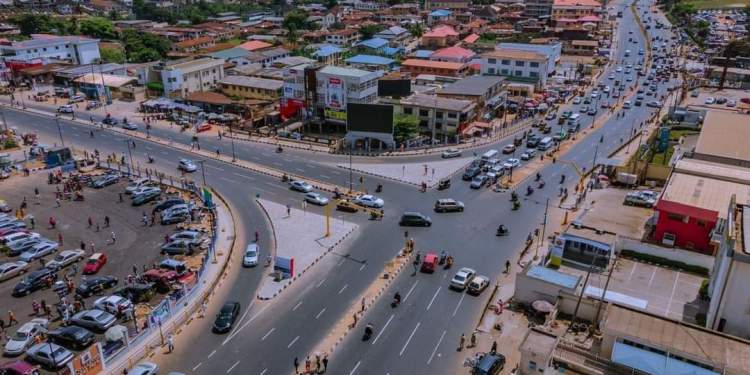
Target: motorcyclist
[379,188]
[529,190]
[562,178]
[279,149]
[541,184]
[538,176]
[368,330]
[397,298]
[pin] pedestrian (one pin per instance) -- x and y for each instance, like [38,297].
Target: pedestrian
[204,308]
[170,343]
[60,238]
[296,365]
[11,318]
[91,222]
[317,362]
[35,307]
[36,196]
[493,349]
[135,270]
[288,211]
[92,248]
[307,365]
[461,342]
[114,239]
[83,245]
[52,222]
[507,266]
[119,195]
[325,362]
[97,227]
[144,219]
[363,304]
[32,221]
[473,339]
[106,221]
[57,201]
[45,308]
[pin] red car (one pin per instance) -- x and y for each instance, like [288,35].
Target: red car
[18,368]
[203,127]
[94,264]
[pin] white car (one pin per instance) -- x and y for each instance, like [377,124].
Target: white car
[612,76]
[250,259]
[145,189]
[607,89]
[144,368]
[65,258]
[129,126]
[302,186]
[39,250]
[710,100]
[594,94]
[190,235]
[451,153]
[141,182]
[511,163]
[528,154]
[577,100]
[113,304]
[619,69]
[187,165]
[24,336]
[12,269]
[462,278]
[316,199]
[65,109]
[369,201]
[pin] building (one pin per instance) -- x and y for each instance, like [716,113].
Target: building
[370,62]
[375,46]
[185,76]
[516,65]
[536,350]
[343,38]
[551,51]
[539,9]
[461,5]
[439,118]
[328,54]
[337,86]
[581,47]
[453,54]
[193,45]
[450,69]
[255,45]
[575,9]
[44,48]
[482,90]
[106,87]
[251,87]
[395,35]
[439,16]
[236,56]
[439,37]
[721,140]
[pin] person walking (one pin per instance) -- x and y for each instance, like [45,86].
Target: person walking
[32,221]
[57,201]
[170,343]
[288,211]
[11,318]
[52,222]
[461,342]
[296,365]
[473,339]
[91,222]
[364,304]
[35,307]
[106,221]
[507,266]
[114,239]
[307,365]
[60,238]
[325,362]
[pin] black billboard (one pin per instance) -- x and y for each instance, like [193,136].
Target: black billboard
[394,87]
[375,118]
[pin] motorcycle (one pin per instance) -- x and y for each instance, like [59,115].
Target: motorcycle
[379,188]
[150,159]
[538,177]
[529,190]
[368,332]
[541,184]
[284,178]
[396,300]
[516,205]
[443,257]
[279,150]
[448,262]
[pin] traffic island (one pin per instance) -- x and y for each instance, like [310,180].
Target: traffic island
[300,242]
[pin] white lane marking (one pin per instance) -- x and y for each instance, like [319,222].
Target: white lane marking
[233,366]
[244,315]
[320,313]
[355,368]
[321,282]
[411,290]
[309,166]
[245,325]
[244,176]
[292,343]
[300,170]
[198,365]
[229,180]
[433,298]
[383,329]
[340,263]
[149,148]
[324,176]
[268,333]
[274,185]
[459,303]
[277,164]
[436,348]
[343,288]
[212,354]
[297,305]
[264,371]
[212,167]
[266,154]
[363,266]
[408,340]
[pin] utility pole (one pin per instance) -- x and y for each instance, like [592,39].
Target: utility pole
[604,293]
[231,139]
[5,123]
[544,229]
[596,152]
[203,171]
[350,166]
[130,153]
[59,129]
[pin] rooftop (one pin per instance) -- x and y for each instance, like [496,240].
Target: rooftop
[441,32]
[471,38]
[193,42]
[589,43]
[108,79]
[472,86]
[254,45]
[432,101]
[553,277]
[432,64]
[347,72]
[41,40]
[262,83]
[539,341]
[586,3]
[293,60]
[374,43]
[231,53]
[197,64]
[327,50]
[441,13]
[453,53]
[370,60]
[515,54]
[724,134]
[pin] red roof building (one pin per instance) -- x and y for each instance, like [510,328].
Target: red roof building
[453,54]
[441,36]
[255,45]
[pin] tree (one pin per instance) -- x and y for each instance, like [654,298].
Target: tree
[368,31]
[331,4]
[98,27]
[295,20]
[35,23]
[143,47]
[112,55]
[405,127]
[416,30]
[737,47]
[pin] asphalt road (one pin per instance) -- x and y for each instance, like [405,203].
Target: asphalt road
[424,330]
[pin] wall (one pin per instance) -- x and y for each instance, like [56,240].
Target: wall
[689,235]
[733,306]
[657,172]
[529,289]
[680,255]
[586,310]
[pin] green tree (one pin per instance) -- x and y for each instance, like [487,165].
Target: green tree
[405,127]
[34,23]
[416,30]
[98,27]
[112,55]
[143,47]
[295,20]
[331,4]
[368,31]
[737,47]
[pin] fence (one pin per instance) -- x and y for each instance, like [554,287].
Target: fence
[678,255]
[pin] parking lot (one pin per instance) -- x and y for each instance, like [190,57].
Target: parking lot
[129,245]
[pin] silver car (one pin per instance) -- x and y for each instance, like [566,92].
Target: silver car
[39,250]
[50,355]
[316,199]
[12,269]
[301,186]
[65,258]
[94,319]
[24,336]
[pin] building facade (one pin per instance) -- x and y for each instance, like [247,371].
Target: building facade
[251,87]
[337,86]
[439,118]
[516,65]
[78,50]
[183,77]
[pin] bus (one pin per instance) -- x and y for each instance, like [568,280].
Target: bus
[574,119]
[545,144]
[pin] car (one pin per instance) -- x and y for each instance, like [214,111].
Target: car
[721,100]
[627,104]
[10,270]
[638,103]
[592,111]
[577,100]
[301,186]
[39,250]
[144,368]
[25,336]
[76,99]
[18,247]
[33,281]
[694,93]
[141,182]
[174,216]
[449,205]
[95,262]
[528,154]
[370,201]
[462,278]
[450,153]
[179,247]
[618,69]
[346,206]
[710,100]
[414,219]
[187,165]
[129,126]
[188,235]
[629,78]
[96,284]
[471,172]
[19,367]
[611,76]
[14,235]
[509,149]
[144,189]
[94,319]
[250,259]
[607,89]
[109,120]
[65,109]
[511,163]
[93,105]
[489,364]
[316,199]
[49,355]
[731,103]
[114,305]
[654,104]
[72,337]
[478,181]
[65,258]
[167,203]
[145,197]
[478,284]
[226,317]
[533,140]
[550,116]
[106,180]
[638,199]
[12,225]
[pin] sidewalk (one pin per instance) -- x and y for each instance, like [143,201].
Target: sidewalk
[411,173]
[299,235]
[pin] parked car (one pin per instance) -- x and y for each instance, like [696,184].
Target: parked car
[174,216]
[144,189]
[167,203]
[179,247]
[636,199]
[511,163]
[710,100]
[39,250]
[10,270]
[129,126]
[187,165]
[33,281]
[24,336]
[528,154]
[106,180]
[65,258]
[370,201]
[414,219]
[489,364]
[145,368]
[72,337]
[95,285]
[49,355]
[451,153]
[449,205]
[76,99]
[187,235]
[654,104]
[114,305]
[95,319]
[478,284]
[316,199]
[509,149]
[470,173]
[250,259]
[462,278]
[19,367]
[95,262]
[65,109]
[19,247]
[145,197]
[226,317]
[479,181]
[139,183]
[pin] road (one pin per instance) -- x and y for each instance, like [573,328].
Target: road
[418,335]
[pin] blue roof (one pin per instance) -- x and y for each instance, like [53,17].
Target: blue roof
[231,53]
[374,43]
[370,60]
[327,50]
[391,51]
[654,363]
[423,53]
[441,13]
[552,276]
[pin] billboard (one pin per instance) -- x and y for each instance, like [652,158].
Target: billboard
[373,118]
[88,362]
[335,93]
[394,87]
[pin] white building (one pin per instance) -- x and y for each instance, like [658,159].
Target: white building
[551,51]
[78,50]
[516,65]
[184,77]
[336,87]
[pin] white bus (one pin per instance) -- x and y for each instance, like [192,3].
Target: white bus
[490,154]
[545,144]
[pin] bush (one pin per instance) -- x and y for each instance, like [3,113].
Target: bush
[155,86]
[703,291]
[10,143]
[698,270]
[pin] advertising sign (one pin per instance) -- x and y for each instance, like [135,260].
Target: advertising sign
[335,93]
[284,264]
[159,314]
[335,115]
[88,362]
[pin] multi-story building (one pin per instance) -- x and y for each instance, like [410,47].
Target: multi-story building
[575,9]
[441,68]
[343,38]
[185,76]
[336,87]
[516,65]
[439,37]
[538,8]
[78,50]
[251,87]
[439,118]
[461,5]
[453,54]
[551,51]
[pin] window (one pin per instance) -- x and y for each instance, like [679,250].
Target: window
[452,115]
[492,61]
[701,223]
[504,71]
[674,217]
[424,112]
[532,365]
[533,74]
[408,111]
[534,64]
[518,73]
[520,63]
[439,114]
[491,71]
[506,62]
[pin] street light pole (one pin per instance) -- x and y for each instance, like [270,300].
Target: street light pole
[231,139]
[130,153]
[350,166]
[203,171]
[59,129]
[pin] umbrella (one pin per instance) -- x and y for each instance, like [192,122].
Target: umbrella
[116,333]
[542,306]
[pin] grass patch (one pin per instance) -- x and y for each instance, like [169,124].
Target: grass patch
[663,158]
[675,135]
[718,4]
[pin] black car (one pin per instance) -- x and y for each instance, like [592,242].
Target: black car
[226,317]
[34,281]
[471,172]
[95,284]
[109,121]
[72,337]
[167,203]
[414,219]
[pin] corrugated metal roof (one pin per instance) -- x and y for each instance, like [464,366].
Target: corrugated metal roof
[370,60]
[554,277]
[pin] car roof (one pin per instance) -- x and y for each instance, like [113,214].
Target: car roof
[252,246]
[96,255]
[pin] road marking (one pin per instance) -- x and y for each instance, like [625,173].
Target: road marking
[266,335]
[231,336]
[264,371]
[212,354]
[355,368]
[383,329]
[265,191]
[212,167]
[229,180]
[292,343]
[277,164]
[233,366]
[363,266]
[324,176]
[244,176]
[321,282]
[411,290]
[674,288]
[300,170]
[309,166]
[436,347]
[343,288]
[320,313]
[459,303]
[433,298]
[149,148]
[266,154]
[340,263]
[408,340]
[247,311]
[274,185]
[296,306]
[198,365]
[165,153]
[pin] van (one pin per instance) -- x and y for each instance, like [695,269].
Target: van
[574,119]
[491,163]
[490,154]
[414,219]
[627,52]
[545,144]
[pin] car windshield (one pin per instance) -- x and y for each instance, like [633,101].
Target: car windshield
[459,278]
[60,257]
[92,261]
[251,253]
[20,336]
